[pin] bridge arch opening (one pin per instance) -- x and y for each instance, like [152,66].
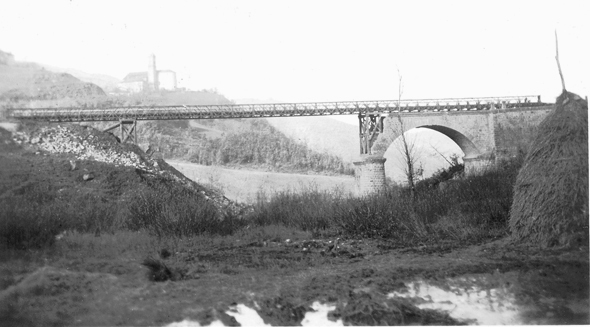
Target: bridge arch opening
[469,149]
[432,146]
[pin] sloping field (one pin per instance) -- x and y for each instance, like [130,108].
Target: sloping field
[243,185]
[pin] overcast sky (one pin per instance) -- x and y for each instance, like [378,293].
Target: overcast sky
[315,50]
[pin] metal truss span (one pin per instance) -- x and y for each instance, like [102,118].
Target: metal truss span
[229,111]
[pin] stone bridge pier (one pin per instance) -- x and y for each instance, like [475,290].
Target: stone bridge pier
[369,174]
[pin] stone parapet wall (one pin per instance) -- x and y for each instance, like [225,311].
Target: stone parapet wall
[370,175]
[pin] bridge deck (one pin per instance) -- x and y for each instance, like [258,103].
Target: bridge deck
[229,111]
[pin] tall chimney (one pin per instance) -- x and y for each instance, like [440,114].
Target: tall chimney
[152,73]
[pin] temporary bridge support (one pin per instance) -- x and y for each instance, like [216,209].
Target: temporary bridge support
[370,125]
[370,171]
[127,130]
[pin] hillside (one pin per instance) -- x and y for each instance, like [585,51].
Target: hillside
[83,166]
[105,82]
[29,81]
[322,134]
[248,143]
[20,72]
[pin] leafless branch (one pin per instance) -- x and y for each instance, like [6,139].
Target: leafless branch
[442,155]
[407,149]
[557,59]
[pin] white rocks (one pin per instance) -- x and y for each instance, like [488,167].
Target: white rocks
[64,140]
[89,144]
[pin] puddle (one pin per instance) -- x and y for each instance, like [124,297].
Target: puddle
[190,323]
[247,316]
[494,299]
[479,299]
[319,317]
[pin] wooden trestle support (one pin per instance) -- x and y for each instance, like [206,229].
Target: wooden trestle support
[127,130]
[370,171]
[370,125]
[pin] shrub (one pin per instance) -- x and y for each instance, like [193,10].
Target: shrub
[442,175]
[388,214]
[36,214]
[309,209]
[171,210]
[470,209]
[29,225]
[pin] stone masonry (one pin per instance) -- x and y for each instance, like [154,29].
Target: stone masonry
[370,175]
[482,135]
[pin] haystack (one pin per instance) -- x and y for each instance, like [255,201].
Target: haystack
[550,205]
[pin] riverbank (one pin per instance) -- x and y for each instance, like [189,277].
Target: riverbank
[244,185]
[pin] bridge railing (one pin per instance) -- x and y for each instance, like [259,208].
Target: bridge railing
[225,111]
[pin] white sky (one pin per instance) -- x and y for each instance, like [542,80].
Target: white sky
[315,50]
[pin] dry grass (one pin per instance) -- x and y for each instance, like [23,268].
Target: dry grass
[550,206]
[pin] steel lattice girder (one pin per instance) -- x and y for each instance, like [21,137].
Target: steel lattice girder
[271,110]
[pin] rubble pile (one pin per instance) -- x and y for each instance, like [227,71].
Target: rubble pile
[86,144]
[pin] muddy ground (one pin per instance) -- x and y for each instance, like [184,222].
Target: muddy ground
[281,280]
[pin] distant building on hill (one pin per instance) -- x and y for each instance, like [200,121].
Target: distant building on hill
[149,81]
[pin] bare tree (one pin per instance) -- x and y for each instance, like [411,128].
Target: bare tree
[408,149]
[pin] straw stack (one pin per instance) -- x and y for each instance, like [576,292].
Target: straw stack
[550,205]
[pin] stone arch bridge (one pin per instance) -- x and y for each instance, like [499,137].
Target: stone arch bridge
[484,136]
[484,128]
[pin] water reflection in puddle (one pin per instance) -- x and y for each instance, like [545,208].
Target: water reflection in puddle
[246,316]
[319,317]
[493,299]
[483,299]
[489,307]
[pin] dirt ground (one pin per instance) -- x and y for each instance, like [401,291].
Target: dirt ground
[281,280]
